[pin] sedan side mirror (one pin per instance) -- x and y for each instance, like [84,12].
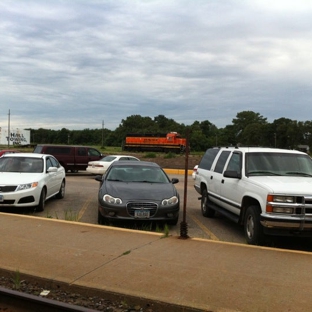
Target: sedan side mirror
[174,180]
[98,178]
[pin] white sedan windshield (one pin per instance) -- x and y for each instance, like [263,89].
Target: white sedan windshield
[21,164]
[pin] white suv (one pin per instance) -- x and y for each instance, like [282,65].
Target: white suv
[268,191]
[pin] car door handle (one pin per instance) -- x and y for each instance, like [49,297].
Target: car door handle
[222,181]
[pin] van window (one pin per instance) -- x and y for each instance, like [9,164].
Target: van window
[57,150]
[81,151]
[94,152]
[38,149]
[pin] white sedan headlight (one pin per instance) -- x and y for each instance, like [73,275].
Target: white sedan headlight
[171,201]
[27,186]
[112,200]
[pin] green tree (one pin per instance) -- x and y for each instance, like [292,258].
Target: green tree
[241,131]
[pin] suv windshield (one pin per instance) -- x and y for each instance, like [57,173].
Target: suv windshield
[284,164]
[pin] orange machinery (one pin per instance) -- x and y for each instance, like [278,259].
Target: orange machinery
[170,142]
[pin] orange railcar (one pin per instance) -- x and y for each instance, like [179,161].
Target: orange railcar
[170,142]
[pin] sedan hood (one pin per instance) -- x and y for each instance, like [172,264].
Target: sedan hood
[14,178]
[139,191]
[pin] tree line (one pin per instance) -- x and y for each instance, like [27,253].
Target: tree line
[247,129]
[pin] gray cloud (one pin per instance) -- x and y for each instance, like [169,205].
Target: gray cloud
[73,64]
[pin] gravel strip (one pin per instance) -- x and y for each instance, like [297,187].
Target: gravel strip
[75,298]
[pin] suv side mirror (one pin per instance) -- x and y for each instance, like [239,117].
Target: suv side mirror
[232,174]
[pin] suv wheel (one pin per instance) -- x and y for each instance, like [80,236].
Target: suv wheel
[252,226]
[207,211]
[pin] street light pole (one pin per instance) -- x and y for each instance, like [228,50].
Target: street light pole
[102,133]
[9,130]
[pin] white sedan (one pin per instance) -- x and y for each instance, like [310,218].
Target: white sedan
[28,180]
[100,166]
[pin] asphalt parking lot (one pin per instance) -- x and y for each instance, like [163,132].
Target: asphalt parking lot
[80,204]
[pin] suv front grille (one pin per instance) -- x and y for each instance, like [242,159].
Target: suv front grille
[306,206]
[132,206]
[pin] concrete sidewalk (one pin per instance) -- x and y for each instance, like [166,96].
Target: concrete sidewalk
[194,273]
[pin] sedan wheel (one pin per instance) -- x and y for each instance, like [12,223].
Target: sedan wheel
[100,218]
[61,192]
[41,204]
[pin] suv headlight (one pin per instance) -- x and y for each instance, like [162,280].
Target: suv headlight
[280,204]
[282,199]
[112,200]
[171,201]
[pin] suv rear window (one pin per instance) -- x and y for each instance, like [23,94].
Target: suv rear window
[208,158]
[221,161]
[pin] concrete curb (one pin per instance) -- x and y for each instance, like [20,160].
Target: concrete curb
[177,171]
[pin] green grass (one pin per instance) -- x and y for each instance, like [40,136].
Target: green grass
[149,155]
[70,215]
[170,155]
[16,279]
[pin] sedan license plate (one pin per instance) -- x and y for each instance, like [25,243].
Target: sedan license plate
[141,214]
[1,198]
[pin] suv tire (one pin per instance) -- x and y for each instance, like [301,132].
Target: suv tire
[207,211]
[252,227]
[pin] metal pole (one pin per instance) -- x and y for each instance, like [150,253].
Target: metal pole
[9,130]
[183,224]
[102,133]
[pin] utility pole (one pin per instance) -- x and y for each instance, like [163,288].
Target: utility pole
[102,133]
[9,130]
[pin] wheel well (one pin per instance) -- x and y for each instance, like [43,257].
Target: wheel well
[247,201]
[203,187]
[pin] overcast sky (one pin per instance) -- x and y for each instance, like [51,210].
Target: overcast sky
[73,64]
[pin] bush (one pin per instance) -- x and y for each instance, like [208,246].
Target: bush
[150,155]
[170,155]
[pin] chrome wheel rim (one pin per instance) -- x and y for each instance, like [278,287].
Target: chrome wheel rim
[250,227]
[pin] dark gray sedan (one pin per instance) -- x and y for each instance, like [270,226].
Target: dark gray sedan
[137,191]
